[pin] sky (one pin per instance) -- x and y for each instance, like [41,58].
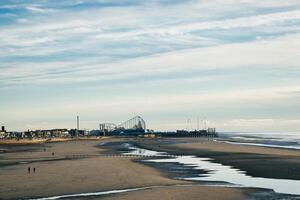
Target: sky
[234,64]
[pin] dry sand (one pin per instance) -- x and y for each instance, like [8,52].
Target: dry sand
[43,140]
[23,141]
[79,166]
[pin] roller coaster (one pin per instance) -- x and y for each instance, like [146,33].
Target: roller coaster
[133,126]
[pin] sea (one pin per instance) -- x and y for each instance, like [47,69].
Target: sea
[286,140]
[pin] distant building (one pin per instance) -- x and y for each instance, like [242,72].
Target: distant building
[59,133]
[16,135]
[95,133]
[3,133]
[27,134]
[75,132]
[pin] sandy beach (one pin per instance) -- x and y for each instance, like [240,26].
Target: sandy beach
[81,166]
[77,166]
[24,141]
[182,192]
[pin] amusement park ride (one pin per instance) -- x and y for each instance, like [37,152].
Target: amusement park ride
[133,126]
[137,126]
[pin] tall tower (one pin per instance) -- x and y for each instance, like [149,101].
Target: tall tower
[77,122]
[77,130]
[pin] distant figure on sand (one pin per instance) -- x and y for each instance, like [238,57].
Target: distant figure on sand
[34,170]
[28,170]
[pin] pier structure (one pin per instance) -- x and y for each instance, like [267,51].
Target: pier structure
[210,132]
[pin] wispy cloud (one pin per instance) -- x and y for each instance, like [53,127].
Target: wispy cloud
[209,52]
[37,9]
[280,53]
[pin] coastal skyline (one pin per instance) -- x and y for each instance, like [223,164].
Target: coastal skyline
[235,63]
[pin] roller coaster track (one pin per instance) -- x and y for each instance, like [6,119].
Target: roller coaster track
[134,123]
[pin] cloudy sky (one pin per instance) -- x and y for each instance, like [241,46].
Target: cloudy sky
[235,63]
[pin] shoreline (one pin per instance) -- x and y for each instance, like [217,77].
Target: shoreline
[78,160]
[255,161]
[189,171]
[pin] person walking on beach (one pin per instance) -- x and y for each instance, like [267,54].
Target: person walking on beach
[34,170]
[28,170]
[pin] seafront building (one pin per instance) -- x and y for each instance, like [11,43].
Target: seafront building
[3,132]
[61,133]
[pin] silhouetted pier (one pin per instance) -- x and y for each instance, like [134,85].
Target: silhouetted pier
[211,132]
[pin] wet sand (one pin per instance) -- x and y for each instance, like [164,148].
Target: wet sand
[235,148]
[195,192]
[255,161]
[85,166]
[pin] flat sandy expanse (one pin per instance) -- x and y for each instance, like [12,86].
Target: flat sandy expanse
[182,192]
[80,166]
[234,148]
